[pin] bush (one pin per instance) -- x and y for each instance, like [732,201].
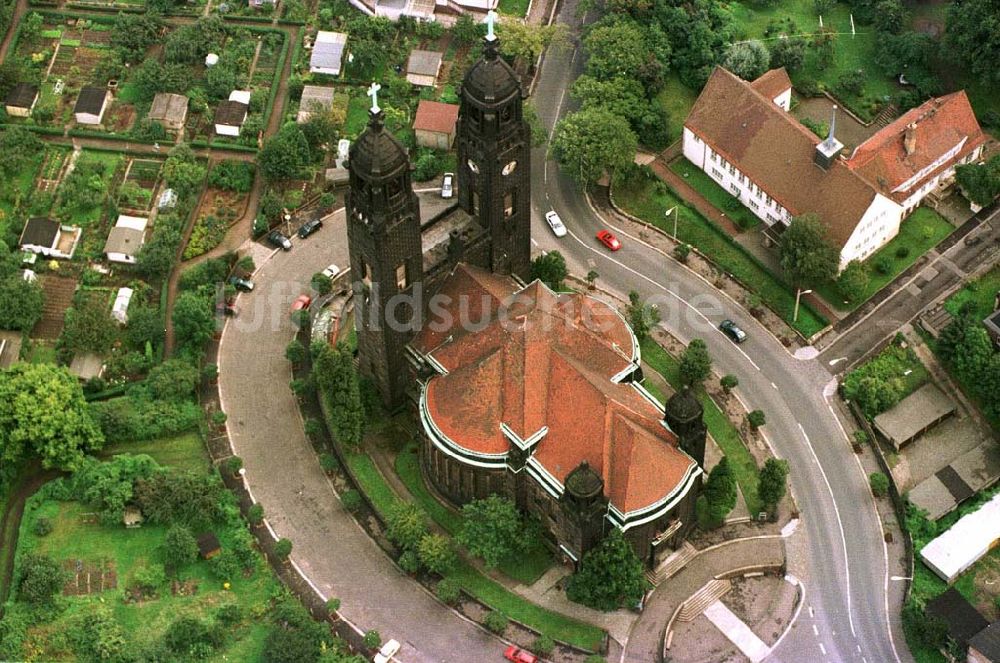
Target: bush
[449,591]
[234,464]
[42,527]
[409,562]
[756,419]
[226,565]
[879,484]
[229,614]
[543,645]
[283,549]
[147,579]
[729,382]
[329,463]
[332,606]
[682,251]
[189,636]
[373,639]
[883,265]
[179,548]
[313,428]
[496,622]
[427,166]
[351,499]
[41,579]
[255,514]
[232,175]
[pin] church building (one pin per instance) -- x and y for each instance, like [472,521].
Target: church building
[520,391]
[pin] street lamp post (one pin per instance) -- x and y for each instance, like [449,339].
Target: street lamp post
[673,210]
[798,297]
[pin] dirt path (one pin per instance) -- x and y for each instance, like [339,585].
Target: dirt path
[15,20]
[10,521]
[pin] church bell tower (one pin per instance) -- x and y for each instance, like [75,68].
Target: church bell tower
[383,236]
[494,158]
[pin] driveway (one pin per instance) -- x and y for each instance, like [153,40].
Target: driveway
[284,475]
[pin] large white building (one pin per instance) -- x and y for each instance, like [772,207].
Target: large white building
[742,135]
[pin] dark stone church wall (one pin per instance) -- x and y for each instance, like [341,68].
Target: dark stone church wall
[458,482]
[642,536]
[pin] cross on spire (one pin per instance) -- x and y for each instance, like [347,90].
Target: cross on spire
[373,93]
[491,17]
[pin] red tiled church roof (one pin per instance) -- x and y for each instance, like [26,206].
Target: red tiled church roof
[939,125]
[776,152]
[547,360]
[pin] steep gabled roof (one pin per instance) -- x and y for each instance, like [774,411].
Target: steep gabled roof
[776,152]
[938,126]
[435,116]
[772,83]
[534,359]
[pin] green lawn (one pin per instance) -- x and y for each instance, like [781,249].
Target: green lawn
[719,426]
[979,295]
[17,188]
[372,483]
[517,8]
[850,52]
[91,215]
[649,199]
[678,99]
[715,194]
[486,590]
[185,451]
[918,233]
[41,353]
[129,550]
[526,568]
[357,115]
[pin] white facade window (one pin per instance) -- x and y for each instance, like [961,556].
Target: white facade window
[754,205]
[735,189]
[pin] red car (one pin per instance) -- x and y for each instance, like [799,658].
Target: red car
[518,655]
[301,303]
[607,239]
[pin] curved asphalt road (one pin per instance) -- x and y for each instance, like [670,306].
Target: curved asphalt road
[838,552]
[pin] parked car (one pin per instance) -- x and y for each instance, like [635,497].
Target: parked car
[227,309]
[608,239]
[301,303]
[733,331]
[518,655]
[558,229]
[309,227]
[385,654]
[331,272]
[276,238]
[241,284]
[448,185]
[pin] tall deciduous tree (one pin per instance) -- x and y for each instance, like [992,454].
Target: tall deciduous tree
[807,256]
[695,364]
[181,170]
[973,33]
[406,525]
[615,49]
[492,529]
[593,141]
[285,154]
[980,181]
[43,413]
[194,320]
[550,269]
[747,59]
[642,317]
[527,41]
[610,575]
[20,303]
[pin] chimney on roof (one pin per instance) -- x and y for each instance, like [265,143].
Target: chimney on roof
[910,138]
[828,150]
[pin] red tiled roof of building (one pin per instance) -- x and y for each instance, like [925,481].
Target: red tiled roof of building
[772,83]
[939,125]
[776,152]
[547,360]
[435,116]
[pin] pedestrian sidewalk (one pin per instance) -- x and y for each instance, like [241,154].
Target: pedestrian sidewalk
[737,632]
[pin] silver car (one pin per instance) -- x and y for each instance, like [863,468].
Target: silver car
[448,185]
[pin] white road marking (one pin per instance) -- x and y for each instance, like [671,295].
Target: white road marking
[815,630]
[774,385]
[812,613]
[533,241]
[840,525]
[822,648]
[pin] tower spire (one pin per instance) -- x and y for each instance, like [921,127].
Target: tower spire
[833,125]
[491,40]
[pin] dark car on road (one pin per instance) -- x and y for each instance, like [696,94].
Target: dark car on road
[277,239]
[241,284]
[733,331]
[309,227]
